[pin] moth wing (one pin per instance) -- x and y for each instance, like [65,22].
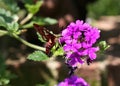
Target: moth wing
[46,35]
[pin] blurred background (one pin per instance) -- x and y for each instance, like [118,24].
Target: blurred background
[16,70]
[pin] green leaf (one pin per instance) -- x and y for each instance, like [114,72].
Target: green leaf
[59,52]
[40,37]
[37,56]
[50,20]
[7,21]
[30,25]
[103,46]
[6,17]
[13,27]
[10,5]
[34,8]
[5,77]
[40,21]
[2,22]
[4,81]
[44,21]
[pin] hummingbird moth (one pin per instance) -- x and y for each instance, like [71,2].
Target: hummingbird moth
[47,36]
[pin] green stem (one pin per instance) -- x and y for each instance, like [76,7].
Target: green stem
[28,44]
[3,32]
[26,19]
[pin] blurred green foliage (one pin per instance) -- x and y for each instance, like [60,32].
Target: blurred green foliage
[10,5]
[5,75]
[104,7]
[33,8]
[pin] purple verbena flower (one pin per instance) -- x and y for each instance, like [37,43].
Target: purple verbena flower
[73,81]
[78,39]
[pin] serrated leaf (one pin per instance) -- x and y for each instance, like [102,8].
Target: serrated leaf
[37,56]
[34,8]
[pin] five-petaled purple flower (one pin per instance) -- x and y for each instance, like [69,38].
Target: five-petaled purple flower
[73,81]
[78,39]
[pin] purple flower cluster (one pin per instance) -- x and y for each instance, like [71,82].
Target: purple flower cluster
[73,81]
[78,39]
